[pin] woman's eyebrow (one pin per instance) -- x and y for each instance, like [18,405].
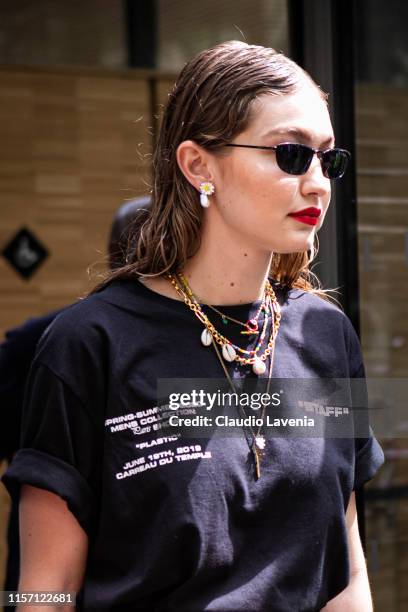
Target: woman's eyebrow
[300,133]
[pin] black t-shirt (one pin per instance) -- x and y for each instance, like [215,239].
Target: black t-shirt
[199,533]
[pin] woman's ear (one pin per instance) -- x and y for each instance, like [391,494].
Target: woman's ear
[193,162]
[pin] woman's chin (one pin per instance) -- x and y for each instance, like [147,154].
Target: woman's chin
[298,245]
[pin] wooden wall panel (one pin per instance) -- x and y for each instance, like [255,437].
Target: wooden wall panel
[75,146]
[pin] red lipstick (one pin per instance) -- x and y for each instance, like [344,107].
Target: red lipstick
[307,215]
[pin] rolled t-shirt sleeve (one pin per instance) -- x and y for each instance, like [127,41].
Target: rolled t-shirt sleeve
[369,459]
[59,446]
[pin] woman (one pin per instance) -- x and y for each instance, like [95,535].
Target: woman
[124,511]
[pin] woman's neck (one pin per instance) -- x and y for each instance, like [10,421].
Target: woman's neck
[214,282]
[223,271]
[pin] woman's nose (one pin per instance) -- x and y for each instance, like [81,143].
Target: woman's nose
[314,180]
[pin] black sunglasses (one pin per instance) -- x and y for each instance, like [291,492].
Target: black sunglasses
[296,158]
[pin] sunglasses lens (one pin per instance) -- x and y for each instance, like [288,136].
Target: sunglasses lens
[334,163]
[293,158]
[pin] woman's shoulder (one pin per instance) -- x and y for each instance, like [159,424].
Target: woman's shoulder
[304,300]
[76,319]
[87,323]
[95,308]
[308,307]
[322,317]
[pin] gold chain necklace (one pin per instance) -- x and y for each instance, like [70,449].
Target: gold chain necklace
[251,326]
[230,351]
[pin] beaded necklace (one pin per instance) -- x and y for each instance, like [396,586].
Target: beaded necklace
[251,325]
[230,351]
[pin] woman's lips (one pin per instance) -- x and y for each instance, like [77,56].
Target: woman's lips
[306,219]
[308,215]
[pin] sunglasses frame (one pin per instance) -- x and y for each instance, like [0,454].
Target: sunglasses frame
[317,152]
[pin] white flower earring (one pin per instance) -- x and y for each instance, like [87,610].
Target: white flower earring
[206,189]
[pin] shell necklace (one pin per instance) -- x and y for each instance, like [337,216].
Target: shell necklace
[230,351]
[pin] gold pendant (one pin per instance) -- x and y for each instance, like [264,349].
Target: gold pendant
[257,465]
[257,447]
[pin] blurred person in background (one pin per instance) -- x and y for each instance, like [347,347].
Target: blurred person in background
[17,353]
[115,506]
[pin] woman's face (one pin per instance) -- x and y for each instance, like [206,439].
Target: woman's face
[254,196]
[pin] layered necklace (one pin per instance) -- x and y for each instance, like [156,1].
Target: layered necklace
[231,352]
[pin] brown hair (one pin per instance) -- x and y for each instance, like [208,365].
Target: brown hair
[210,103]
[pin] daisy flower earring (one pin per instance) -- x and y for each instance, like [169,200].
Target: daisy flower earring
[206,189]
